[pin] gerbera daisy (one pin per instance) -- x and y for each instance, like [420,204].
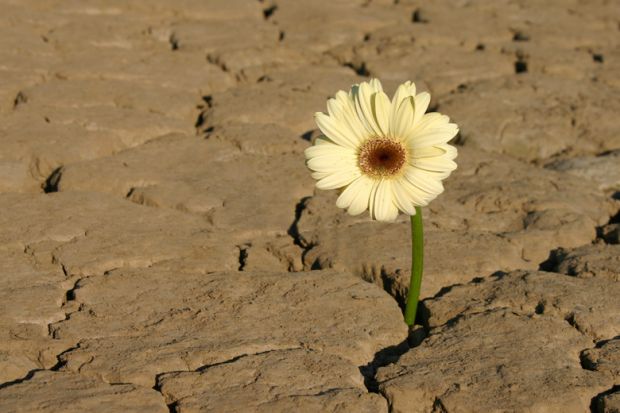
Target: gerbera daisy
[386,155]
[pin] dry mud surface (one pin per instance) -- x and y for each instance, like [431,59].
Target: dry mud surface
[162,247]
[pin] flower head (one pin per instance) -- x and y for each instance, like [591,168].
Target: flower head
[386,155]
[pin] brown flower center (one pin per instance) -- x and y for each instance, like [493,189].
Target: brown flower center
[382,157]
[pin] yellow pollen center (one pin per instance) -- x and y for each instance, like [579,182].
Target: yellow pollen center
[382,157]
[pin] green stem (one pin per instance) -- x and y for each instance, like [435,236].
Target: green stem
[417,264]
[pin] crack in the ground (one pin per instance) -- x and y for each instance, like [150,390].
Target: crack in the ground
[174,42]
[322,392]
[20,99]
[386,280]
[214,59]
[51,183]
[359,68]
[438,406]
[69,297]
[201,119]
[244,355]
[383,357]
[556,255]
[572,321]
[520,63]
[172,404]
[587,364]
[390,355]
[59,363]
[419,16]
[243,255]
[597,403]
[27,377]
[56,367]
[610,232]
[293,230]
[268,12]
[538,309]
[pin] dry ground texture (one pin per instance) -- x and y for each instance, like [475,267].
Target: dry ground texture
[162,248]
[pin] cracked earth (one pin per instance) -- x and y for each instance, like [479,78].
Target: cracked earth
[163,248]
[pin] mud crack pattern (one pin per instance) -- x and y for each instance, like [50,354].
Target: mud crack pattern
[159,231]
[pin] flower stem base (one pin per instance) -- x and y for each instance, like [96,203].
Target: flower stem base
[417,264]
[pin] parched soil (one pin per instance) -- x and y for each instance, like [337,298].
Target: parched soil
[163,249]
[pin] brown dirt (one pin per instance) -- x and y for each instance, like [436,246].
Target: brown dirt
[162,247]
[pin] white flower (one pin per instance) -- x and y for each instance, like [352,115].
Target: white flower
[386,155]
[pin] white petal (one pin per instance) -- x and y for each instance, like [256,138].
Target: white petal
[363,104]
[404,91]
[427,152]
[381,107]
[338,179]
[444,150]
[401,198]
[320,175]
[436,164]
[399,95]
[361,199]
[334,130]
[403,120]
[431,120]
[415,195]
[401,92]
[375,84]
[428,184]
[324,140]
[334,108]
[359,115]
[323,147]
[382,206]
[451,151]
[348,116]
[432,136]
[332,163]
[347,196]
[421,105]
